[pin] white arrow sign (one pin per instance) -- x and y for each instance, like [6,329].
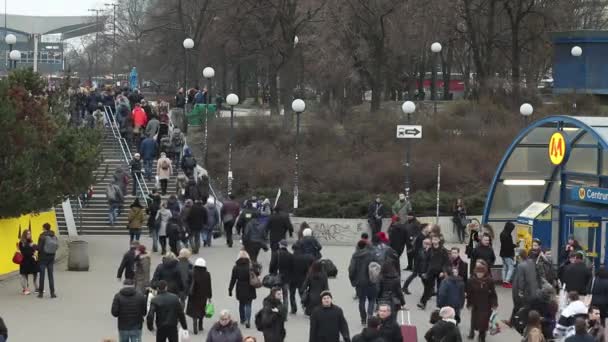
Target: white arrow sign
[409,131]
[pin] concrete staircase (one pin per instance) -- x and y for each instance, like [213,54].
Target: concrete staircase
[93,218]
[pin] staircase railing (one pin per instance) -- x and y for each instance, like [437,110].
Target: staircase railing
[126,153]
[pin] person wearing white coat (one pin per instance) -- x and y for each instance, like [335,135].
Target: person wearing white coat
[164,170]
[162,219]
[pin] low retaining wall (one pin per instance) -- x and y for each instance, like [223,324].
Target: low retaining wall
[348,231]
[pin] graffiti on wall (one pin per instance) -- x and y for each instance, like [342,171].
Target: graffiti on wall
[344,231]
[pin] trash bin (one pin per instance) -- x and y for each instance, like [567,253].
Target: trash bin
[78,256]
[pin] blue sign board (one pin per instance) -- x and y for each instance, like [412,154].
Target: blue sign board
[589,194]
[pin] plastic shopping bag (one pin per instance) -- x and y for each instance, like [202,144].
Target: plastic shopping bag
[209,310]
[563,298]
[494,327]
[184,335]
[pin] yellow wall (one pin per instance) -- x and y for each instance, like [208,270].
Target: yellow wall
[9,232]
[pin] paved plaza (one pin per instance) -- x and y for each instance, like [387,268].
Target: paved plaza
[81,313]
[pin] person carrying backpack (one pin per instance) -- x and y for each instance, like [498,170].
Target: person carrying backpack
[48,244]
[255,238]
[177,145]
[364,278]
[188,162]
[115,198]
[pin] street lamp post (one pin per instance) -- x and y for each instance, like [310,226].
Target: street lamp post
[408,108]
[575,52]
[232,100]
[435,49]
[298,106]
[10,40]
[15,56]
[208,73]
[188,45]
[526,110]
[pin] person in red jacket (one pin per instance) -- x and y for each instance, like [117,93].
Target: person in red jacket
[139,122]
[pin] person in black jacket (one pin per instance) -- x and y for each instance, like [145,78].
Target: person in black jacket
[281,262]
[457,263]
[389,291]
[278,226]
[599,291]
[315,284]
[358,273]
[446,329]
[129,306]
[375,213]
[507,253]
[168,271]
[371,333]
[327,322]
[273,316]
[389,330]
[414,236]
[166,311]
[577,276]
[421,265]
[245,293]
[127,265]
[301,265]
[197,219]
[397,235]
[439,261]
[483,252]
[3,331]
[308,244]
[581,332]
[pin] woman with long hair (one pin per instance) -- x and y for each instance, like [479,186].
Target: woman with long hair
[315,283]
[245,292]
[533,331]
[481,299]
[29,265]
[390,288]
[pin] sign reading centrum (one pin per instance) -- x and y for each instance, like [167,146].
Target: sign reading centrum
[558,148]
[592,195]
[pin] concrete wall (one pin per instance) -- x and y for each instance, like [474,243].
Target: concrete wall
[348,231]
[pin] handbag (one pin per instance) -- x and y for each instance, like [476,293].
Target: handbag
[254,280]
[271,280]
[17,258]
[184,335]
[209,310]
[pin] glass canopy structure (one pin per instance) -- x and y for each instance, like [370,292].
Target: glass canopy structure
[527,174]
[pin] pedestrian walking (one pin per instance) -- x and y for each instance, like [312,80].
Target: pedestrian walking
[414,237]
[127,265]
[375,213]
[458,266]
[255,237]
[481,300]
[136,220]
[278,226]
[185,268]
[121,178]
[308,244]
[439,261]
[382,251]
[115,198]
[445,329]
[213,220]
[197,219]
[173,205]
[327,321]
[140,119]
[129,306]
[199,294]
[164,170]
[136,171]
[142,269]
[389,330]
[177,145]
[533,331]
[316,283]
[242,272]
[397,235]
[188,162]
[421,266]
[459,217]
[166,311]
[483,252]
[389,291]
[168,272]
[174,232]
[48,244]
[29,264]
[581,333]
[154,201]
[229,212]
[358,273]
[525,282]
[371,333]
[451,293]
[180,100]
[599,293]
[152,126]
[225,330]
[507,253]
[577,276]
[148,149]
[162,220]
[594,322]
[301,265]
[282,264]
[271,319]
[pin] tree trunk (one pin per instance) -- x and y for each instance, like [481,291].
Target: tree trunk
[515,65]
[239,83]
[274,93]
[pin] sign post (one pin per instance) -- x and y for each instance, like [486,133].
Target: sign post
[408,132]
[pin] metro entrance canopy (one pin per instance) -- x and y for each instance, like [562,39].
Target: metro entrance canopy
[561,161]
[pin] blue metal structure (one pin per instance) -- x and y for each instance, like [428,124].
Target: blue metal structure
[530,177]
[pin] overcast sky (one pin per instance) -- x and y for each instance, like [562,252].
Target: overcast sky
[51,7]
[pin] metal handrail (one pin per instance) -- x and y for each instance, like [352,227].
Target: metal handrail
[126,152]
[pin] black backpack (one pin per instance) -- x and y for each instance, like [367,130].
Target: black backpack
[259,320]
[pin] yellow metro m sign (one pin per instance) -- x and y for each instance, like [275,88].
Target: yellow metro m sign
[557,148]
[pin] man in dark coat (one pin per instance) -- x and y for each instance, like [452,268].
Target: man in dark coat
[255,237]
[526,282]
[439,261]
[166,310]
[308,244]
[483,252]
[327,322]
[458,264]
[421,265]
[577,276]
[170,274]
[46,260]
[147,149]
[278,226]
[507,253]
[444,330]
[358,273]
[397,235]
[301,265]
[127,265]
[281,262]
[229,212]
[371,333]
[413,229]
[272,317]
[197,219]
[375,213]
[389,329]
[129,306]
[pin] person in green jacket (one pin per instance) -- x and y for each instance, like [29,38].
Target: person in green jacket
[401,207]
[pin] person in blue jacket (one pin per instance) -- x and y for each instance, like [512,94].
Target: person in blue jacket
[451,292]
[148,154]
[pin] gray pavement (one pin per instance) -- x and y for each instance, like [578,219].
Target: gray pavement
[82,310]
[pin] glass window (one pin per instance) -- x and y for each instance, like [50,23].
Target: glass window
[553,197]
[532,160]
[586,139]
[510,201]
[605,163]
[582,160]
[539,135]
